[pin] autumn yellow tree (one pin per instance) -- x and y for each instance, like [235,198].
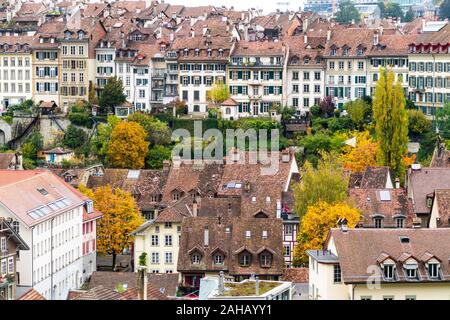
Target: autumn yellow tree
[364,155]
[317,222]
[128,146]
[121,216]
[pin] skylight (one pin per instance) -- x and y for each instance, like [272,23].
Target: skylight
[49,208]
[233,185]
[42,191]
[385,195]
[133,174]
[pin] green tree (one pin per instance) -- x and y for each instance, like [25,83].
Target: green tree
[357,111]
[391,122]
[393,10]
[112,95]
[92,94]
[100,142]
[327,183]
[158,132]
[347,13]
[444,9]
[382,9]
[409,16]
[443,120]
[156,155]
[418,123]
[74,137]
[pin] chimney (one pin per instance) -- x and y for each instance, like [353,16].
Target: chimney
[375,38]
[171,36]
[423,24]
[397,183]
[328,34]
[257,286]
[305,38]
[285,155]
[342,222]
[176,162]
[195,208]
[142,283]
[221,283]
[206,236]
[192,33]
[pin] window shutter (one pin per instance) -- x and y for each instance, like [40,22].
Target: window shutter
[240,107]
[231,74]
[271,75]
[240,75]
[281,75]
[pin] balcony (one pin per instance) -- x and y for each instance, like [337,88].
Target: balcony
[159,73]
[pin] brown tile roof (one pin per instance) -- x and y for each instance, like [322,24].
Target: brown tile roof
[260,48]
[372,178]
[229,102]
[130,6]
[369,202]
[296,275]
[358,249]
[441,157]
[19,192]
[94,9]
[203,44]
[163,282]
[353,38]
[197,11]
[58,150]
[392,45]
[442,198]
[229,237]
[99,293]
[439,37]
[32,295]
[149,183]
[16,42]
[424,182]
[152,294]
[190,178]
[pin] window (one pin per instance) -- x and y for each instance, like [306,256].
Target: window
[378,222]
[155,257]
[265,259]
[411,271]
[388,297]
[388,271]
[295,75]
[361,65]
[316,75]
[337,274]
[218,258]
[287,251]
[410,298]
[155,240]
[305,75]
[196,257]
[433,270]
[169,257]
[366,297]
[288,228]
[168,240]
[400,222]
[3,244]
[176,196]
[245,259]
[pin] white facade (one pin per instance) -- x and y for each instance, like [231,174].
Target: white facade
[305,87]
[15,79]
[54,263]
[105,65]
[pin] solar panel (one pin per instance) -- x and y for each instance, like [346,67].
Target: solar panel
[238,185]
[385,195]
[231,185]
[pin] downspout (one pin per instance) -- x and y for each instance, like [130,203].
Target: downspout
[51,258]
[353,292]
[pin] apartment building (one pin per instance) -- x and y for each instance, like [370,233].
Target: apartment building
[305,80]
[78,42]
[105,53]
[390,52]
[347,69]
[123,60]
[89,248]
[202,62]
[11,243]
[256,74]
[429,67]
[48,215]
[15,70]
[381,264]
[46,69]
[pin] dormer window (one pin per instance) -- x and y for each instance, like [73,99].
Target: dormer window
[196,258]
[218,258]
[265,259]
[186,51]
[400,222]
[318,60]
[360,52]
[345,52]
[411,270]
[67,35]
[306,60]
[89,207]
[209,51]
[220,52]
[389,271]
[175,196]
[433,269]
[80,35]
[197,52]
[333,52]
[245,259]
[294,60]
[378,222]
[429,201]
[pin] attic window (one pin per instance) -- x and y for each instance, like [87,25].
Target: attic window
[253,199]
[306,60]
[186,51]
[197,52]
[268,199]
[345,52]
[248,234]
[265,259]
[333,52]
[385,195]
[133,174]
[294,60]
[42,191]
[411,270]
[360,52]
[389,271]
[433,270]
[404,239]
[264,234]
[245,259]
[378,222]
[196,258]
[209,51]
[220,52]
[218,258]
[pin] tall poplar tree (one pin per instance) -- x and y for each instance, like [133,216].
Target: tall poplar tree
[391,122]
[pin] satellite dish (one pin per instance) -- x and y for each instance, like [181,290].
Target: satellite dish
[252,59]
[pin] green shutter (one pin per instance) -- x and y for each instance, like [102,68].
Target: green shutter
[231,74]
[240,75]
[240,107]
[281,75]
[271,75]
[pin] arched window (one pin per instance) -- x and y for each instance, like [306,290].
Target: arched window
[228,110]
